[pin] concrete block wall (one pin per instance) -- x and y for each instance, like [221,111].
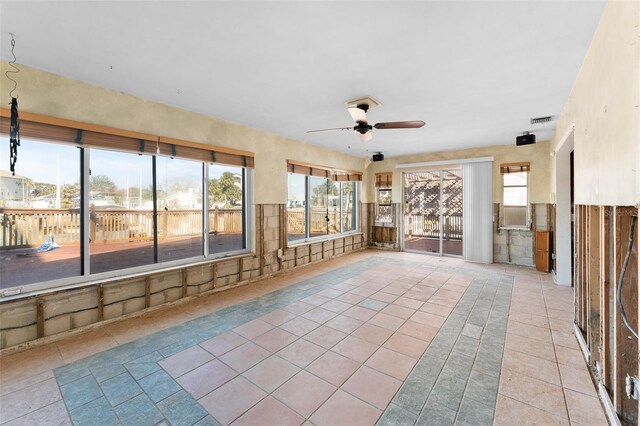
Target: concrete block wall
[56,312]
[517,247]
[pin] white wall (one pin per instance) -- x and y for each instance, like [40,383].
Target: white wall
[604,107]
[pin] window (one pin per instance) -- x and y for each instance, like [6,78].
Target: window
[515,195]
[297,207]
[179,214]
[383,198]
[320,206]
[84,203]
[40,214]
[121,229]
[227,216]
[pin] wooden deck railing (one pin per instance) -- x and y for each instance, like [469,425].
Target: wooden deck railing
[33,227]
[419,225]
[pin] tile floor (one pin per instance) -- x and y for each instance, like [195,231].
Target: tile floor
[374,337]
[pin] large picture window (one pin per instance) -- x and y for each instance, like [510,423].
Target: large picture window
[85,205]
[40,220]
[320,206]
[121,229]
[227,214]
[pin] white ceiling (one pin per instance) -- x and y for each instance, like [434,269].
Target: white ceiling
[476,72]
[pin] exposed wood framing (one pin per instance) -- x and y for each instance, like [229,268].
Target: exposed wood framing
[147,291]
[100,302]
[214,273]
[594,324]
[261,237]
[185,280]
[40,317]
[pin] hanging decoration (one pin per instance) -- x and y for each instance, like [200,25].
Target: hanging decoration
[14,130]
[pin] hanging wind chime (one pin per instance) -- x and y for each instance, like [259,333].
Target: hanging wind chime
[14,129]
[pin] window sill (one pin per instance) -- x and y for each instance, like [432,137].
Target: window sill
[514,228]
[298,243]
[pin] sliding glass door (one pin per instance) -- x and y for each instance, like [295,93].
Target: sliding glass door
[433,211]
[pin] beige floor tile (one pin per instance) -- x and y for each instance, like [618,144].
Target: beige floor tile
[245,356]
[419,331]
[253,329]
[384,297]
[391,363]
[427,319]
[53,415]
[372,387]
[577,379]
[433,308]
[568,340]
[372,333]
[584,409]
[206,378]
[299,326]
[232,399]
[333,368]
[510,412]
[531,366]
[529,331]
[223,343]
[344,409]
[304,393]
[185,361]
[354,348]
[301,352]
[530,346]
[386,321]
[336,306]
[30,399]
[278,317]
[345,324]
[398,311]
[406,345]
[275,339]
[269,412]
[534,392]
[570,357]
[325,336]
[351,298]
[359,313]
[319,315]
[271,373]
[298,308]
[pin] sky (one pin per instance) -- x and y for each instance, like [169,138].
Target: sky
[42,161]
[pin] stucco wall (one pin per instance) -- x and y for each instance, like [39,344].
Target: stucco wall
[604,106]
[537,155]
[49,94]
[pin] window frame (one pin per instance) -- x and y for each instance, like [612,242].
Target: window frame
[505,170]
[86,278]
[307,210]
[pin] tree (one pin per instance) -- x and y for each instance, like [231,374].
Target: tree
[70,196]
[321,192]
[227,189]
[40,189]
[103,184]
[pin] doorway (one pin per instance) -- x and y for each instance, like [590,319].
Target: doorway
[433,212]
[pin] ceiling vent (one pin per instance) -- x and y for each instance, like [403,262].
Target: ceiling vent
[540,120]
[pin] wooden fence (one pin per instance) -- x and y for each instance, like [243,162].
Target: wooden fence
[418,225]
[33,227]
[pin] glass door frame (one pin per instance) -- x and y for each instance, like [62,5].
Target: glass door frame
[441,214]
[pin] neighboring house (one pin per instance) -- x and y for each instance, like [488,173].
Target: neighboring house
[13,190]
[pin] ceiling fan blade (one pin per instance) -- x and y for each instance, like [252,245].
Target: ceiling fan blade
[358,115]
[400,125]
[328,130]
[366,137]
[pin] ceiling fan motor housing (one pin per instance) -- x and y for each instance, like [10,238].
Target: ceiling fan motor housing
[362,127]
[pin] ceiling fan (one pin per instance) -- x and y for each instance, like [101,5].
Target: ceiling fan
[359,115]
